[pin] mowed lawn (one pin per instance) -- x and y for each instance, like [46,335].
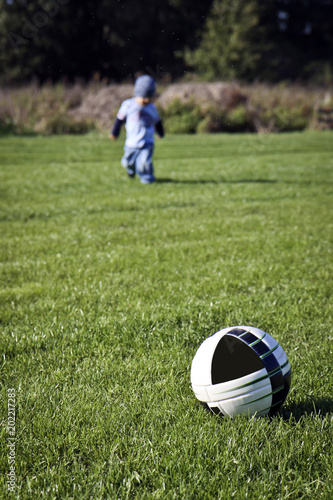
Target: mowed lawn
[108,287]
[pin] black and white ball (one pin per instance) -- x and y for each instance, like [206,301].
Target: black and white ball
[241,370]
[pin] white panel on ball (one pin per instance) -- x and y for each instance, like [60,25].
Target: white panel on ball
[241,370]
[244,385]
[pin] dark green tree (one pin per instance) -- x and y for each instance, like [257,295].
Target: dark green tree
[271,40]
[239,41]
[53,39]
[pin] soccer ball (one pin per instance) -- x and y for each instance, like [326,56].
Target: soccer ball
[241,370]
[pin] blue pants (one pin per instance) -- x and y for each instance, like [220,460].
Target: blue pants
[139,161]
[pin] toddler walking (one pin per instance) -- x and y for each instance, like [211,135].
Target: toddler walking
[141,120]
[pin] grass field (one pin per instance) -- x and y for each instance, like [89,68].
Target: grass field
[108,287]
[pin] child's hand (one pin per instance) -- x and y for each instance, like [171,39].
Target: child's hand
[113,137]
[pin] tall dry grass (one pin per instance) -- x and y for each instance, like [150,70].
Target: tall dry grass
[186,107]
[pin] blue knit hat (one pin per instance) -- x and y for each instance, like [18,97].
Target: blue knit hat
[145,86]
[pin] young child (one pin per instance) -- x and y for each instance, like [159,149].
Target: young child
[141,119]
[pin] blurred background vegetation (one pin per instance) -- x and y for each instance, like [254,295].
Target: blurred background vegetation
[217,39]
[276,55]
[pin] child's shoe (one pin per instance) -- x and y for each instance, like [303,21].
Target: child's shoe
[130,172]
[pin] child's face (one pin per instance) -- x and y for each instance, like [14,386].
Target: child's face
[143,101]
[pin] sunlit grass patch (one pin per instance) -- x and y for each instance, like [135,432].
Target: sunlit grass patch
[108,288]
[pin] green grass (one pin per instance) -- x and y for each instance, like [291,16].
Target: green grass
[108,287]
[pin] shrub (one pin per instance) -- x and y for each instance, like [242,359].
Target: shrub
[63,124]
[191,117]
[7,125]
[210,123]
[182,117]
[283,119]
[226,120]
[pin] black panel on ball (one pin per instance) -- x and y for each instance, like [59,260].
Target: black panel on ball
[280,396]
[237,331]
[215,410]
[247,337]
[277,381]
[233,359]
[287,381]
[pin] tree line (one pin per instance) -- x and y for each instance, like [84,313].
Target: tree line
[247,40]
